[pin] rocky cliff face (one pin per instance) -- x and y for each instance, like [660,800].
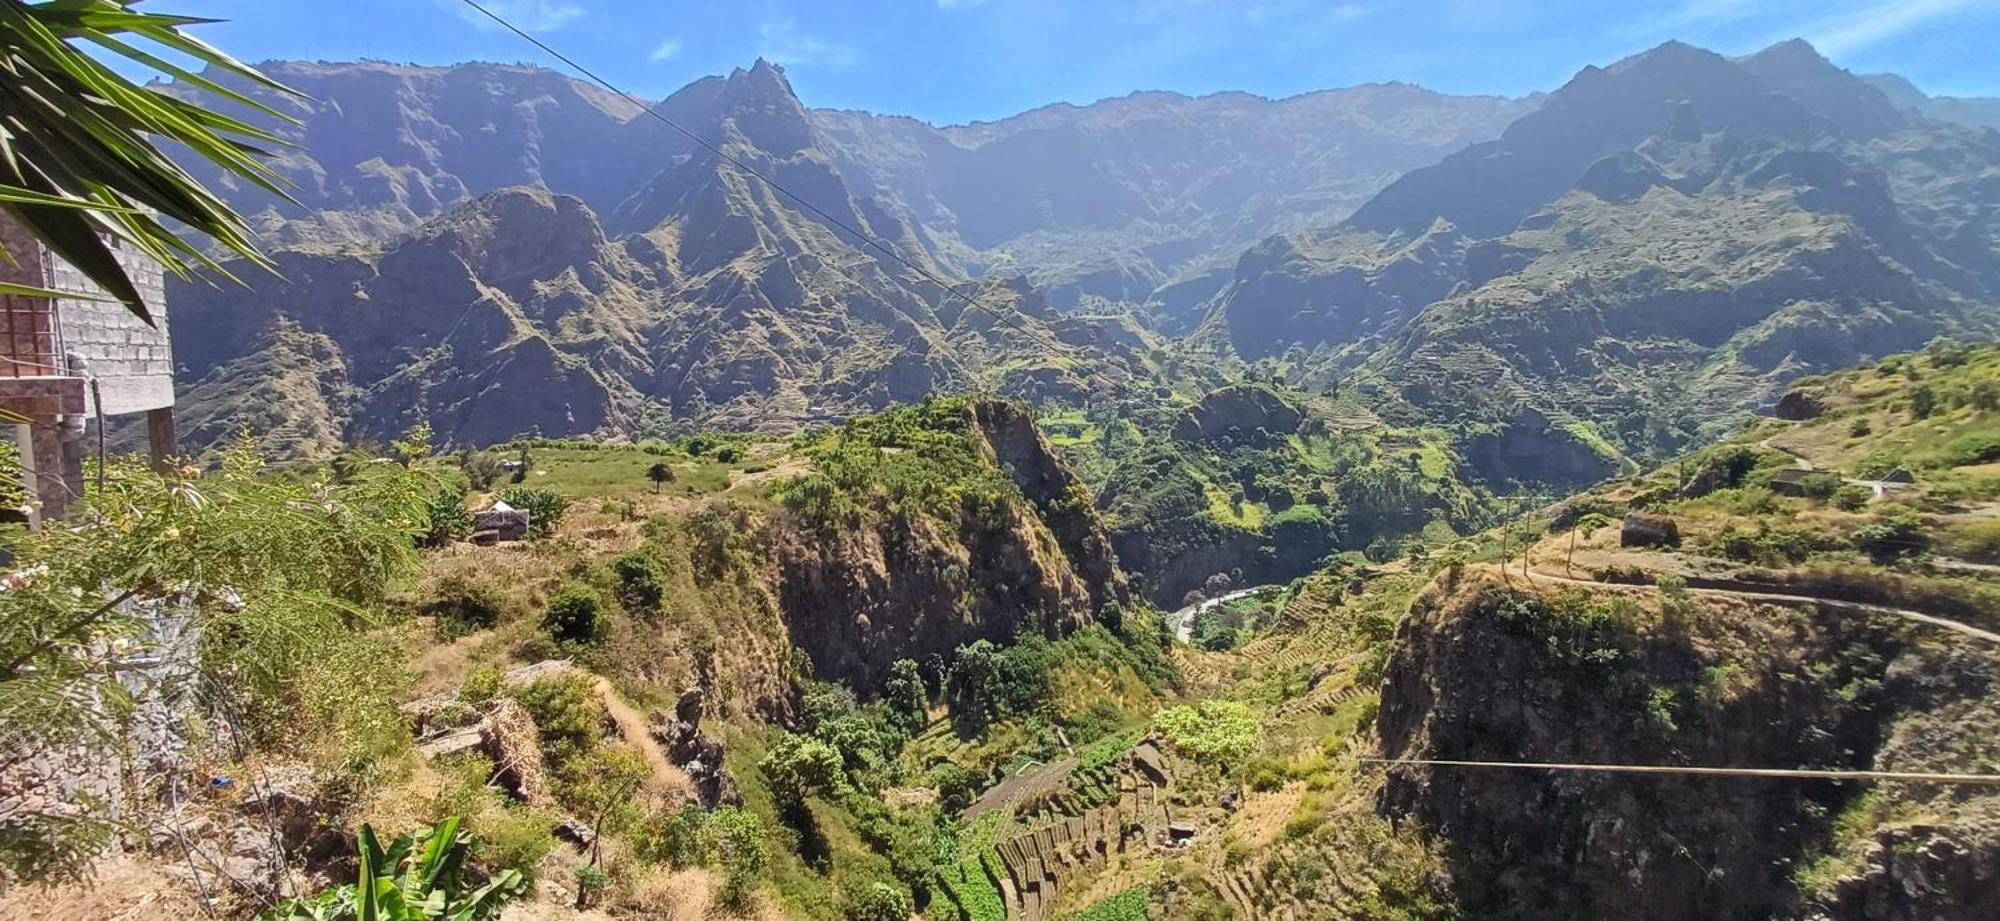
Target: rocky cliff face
[703,298]
[899,585]
[1487,672]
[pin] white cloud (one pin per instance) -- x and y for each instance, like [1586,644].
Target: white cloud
[781,41]
[529,15]
[958,4]
[666,50]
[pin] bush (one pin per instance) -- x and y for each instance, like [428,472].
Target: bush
[1895,533]
[1979,448]
[446,519]
[638,583]
[1923,401]
[463,605]
[1217,731]
[545,508]
[878,901]
[1852,497]
[575,615]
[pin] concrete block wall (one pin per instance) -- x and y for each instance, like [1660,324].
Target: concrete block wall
[133,363]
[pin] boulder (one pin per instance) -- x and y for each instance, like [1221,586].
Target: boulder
[1647,530]
[1799,405]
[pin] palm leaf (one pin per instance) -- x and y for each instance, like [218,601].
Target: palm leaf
[79,166]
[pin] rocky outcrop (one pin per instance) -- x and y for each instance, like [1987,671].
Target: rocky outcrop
[1799,404]
[1481,671]
[913,585]
[1244,413]
[1646,530]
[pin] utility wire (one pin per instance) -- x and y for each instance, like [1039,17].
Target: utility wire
[870,240]
[1976,780]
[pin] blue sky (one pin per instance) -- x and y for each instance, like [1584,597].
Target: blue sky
[951,61]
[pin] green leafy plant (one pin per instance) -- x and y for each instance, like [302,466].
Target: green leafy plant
[574,615]
[81,164]
[545,508]
[420,876]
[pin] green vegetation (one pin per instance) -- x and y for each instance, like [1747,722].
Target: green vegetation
[421,876]
[279,575]
[85,165]
[545,508]
[1217,731]
[1130,905]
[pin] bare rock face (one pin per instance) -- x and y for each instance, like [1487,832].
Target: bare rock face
[1485,671]
[1642,529]
[857,599]
[1799,405]
[693,751]
[1921,873]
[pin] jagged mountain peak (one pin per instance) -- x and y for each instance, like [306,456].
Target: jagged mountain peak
[1847,103]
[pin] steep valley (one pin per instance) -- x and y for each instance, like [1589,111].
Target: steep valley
[1584,505]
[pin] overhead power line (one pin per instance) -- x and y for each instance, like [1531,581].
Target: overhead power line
[1976,780]
[870,240]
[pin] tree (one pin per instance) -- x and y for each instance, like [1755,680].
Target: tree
[879,901]
[1923,401]
[80,161]
[522,464]
[575,615]
[972,690]
[797,767]
[661,472]
[907,699]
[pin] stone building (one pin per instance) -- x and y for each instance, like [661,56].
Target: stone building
[67,361]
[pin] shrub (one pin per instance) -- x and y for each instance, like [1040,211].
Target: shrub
[1852,497]
[1895,533]
[1923,401]
[1977,540]
[575,615]
[1876,463]
[1217,731]
[545,508]
[1860,428]
[1978,448]
[568,717]
[462,605]
[878,901]
[740,844]
[638,583]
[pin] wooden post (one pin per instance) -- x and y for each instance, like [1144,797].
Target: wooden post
[160,437]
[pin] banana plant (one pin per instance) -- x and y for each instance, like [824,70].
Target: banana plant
[418,877]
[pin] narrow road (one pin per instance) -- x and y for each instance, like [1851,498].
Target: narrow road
[1793,598]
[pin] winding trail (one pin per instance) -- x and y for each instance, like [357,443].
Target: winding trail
[665,777]
[1790,598]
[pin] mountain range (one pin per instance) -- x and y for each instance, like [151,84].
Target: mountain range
[1566,282]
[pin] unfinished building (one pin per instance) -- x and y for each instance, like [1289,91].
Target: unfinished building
[69,363]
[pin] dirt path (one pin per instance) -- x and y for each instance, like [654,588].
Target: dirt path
[667,779]
[1790,598]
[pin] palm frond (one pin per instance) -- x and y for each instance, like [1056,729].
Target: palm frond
[79,164]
